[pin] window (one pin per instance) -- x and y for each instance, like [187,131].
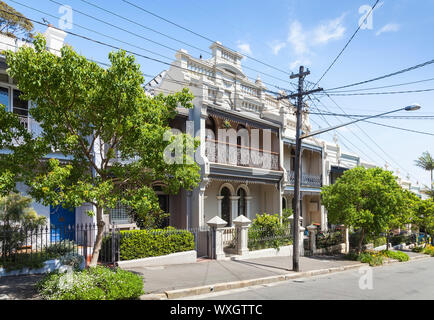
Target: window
[242,202]
[119,214]
[4,97]
[21,107]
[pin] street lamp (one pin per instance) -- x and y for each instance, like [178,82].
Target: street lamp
[298,174]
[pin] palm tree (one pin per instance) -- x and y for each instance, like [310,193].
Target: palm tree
[426,162]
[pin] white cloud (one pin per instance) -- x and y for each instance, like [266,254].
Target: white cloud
[296,63]
[331,30]
[303,41]
[276,46]
[390,27]
[297,38]
[244,47]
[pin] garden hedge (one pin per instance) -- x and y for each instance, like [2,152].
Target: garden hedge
[137,244]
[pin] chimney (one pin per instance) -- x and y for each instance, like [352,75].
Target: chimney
[55,39]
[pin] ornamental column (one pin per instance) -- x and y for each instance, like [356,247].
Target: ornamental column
[248,213]
[234,211]
[219,205]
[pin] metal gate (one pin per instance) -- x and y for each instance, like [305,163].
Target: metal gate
[202,241]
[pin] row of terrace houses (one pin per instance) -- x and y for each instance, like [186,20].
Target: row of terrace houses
[247,152]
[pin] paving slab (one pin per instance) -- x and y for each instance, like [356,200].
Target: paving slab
[207,272]
[19,287]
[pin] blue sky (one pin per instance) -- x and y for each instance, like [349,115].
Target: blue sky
[285,33]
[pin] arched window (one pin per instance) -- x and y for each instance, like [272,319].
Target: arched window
[242,202]
[210,129]
[284,206]
[226,210]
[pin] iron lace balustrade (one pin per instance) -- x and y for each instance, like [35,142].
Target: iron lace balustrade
[307,179]
[238,155]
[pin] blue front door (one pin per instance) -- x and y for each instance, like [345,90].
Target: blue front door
[62,223]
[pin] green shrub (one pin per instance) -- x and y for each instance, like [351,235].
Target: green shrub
[328,239]
[136,244]
[429,250]
[373,258]
[380,241]
[35,260]
[398,255]
[266,231]
[398,239]
[98,283]
[418,249]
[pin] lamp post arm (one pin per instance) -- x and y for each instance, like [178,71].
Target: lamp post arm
[314,133]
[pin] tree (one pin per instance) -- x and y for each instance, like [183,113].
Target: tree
[424,216]
[14,24]
[365,199]
[426,162]
[114,133]
[16,216]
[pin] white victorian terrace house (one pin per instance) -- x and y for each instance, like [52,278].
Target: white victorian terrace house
[247,142]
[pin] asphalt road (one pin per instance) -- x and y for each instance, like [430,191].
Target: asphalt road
[405,280]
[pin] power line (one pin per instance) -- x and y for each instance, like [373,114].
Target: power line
[129,51]
[369,137]
[325,113]
[199,35]
[172,38]
[346,45]
[382,87]
[385,76]
[377,93]
[147,39]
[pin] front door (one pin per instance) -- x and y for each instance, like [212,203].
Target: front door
[62,223]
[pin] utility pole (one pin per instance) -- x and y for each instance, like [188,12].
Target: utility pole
[297,170]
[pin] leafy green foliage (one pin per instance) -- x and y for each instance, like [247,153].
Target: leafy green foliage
[14,24]
[328,239]
[16,217]
[365,199]
[267,231]
[114,134]
[19,259]
[136,244]
[97,283]
[397,255]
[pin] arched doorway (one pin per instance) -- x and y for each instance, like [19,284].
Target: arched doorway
[226,205]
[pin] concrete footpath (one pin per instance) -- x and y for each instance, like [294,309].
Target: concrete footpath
[207,276]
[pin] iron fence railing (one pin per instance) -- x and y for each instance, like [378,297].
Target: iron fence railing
[262,238]
[21,247]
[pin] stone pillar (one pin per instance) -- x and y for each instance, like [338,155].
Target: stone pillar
[242,226]
[248,205]
[234,211]
[312,238]
[301,241]
[219,205]
[217,224]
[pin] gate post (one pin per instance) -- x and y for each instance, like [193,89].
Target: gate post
[242,224]
[312,238]
[216,224]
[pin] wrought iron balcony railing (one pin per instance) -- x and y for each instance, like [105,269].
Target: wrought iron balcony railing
[307,179]
[227,153]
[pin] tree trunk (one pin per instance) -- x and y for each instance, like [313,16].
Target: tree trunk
[387,240]
[98,242]
[362,236]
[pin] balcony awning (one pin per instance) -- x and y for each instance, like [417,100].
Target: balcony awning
[303,145]
[304,190]
[244,120]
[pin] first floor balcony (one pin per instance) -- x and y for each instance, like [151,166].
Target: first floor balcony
[309,180]
[232,154]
